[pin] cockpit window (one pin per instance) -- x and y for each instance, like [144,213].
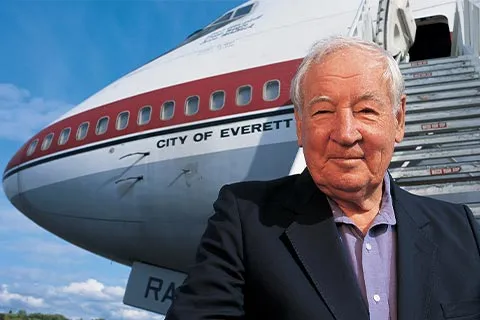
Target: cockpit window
[227,18]
[223,18]
[243,11]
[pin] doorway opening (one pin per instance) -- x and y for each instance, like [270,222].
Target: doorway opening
[432,39]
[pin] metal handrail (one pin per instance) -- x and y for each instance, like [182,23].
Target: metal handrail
[358,15]
[467,30]
[362,23]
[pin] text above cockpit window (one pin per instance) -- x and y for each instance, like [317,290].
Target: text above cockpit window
[225,19]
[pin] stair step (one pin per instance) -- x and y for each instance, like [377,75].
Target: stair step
[449,104]
[442,87]
[431,62]
[441,79]
[449,114]
[438,67]
[435,139]
[445,170]
[428,154]
[438,73]
[444,188]
[442,126]
[440,95]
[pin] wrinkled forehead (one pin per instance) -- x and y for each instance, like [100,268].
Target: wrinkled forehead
[349,50]
[364,66]
[362,58]
[348,72]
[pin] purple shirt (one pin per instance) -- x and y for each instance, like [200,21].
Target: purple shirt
[373,256]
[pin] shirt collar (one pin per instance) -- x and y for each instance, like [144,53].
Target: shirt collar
[386,215]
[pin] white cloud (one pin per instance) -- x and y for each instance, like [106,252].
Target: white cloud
[87,299]
[93,289]
[22,115]
[14,299]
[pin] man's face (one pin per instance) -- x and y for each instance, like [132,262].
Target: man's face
[347,126]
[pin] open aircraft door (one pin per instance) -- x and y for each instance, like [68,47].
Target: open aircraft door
[395,27]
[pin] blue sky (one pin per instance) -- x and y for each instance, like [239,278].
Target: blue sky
[53,55]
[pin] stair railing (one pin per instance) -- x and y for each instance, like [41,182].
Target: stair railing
[467,28]
[362,25]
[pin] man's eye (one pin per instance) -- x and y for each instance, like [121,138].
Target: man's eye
[367,111]
[319,112]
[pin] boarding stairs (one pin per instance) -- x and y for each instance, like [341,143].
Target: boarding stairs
[440,154]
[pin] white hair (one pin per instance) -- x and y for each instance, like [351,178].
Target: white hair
[327,46]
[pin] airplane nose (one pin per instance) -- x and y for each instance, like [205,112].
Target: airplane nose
[11,181]
[10,187]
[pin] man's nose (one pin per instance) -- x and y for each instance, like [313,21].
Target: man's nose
[345,130]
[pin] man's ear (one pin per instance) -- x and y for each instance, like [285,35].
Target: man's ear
[400,119]
[298,122]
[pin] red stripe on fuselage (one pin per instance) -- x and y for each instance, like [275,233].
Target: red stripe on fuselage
[229,82]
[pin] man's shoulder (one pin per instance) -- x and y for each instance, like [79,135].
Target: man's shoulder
[426,201]
[435,210]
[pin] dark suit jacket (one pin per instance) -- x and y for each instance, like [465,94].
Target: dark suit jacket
[272,251]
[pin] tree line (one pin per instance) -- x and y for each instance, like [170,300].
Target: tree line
[23,315]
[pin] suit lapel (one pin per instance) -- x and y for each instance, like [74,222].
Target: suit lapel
[416,257]
[316,246]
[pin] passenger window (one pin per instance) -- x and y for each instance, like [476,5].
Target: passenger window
[122,120]
[102,126]
[191,105]
[244,95]
[217,100]
[47,141]
[271,90]
[144,115]
[82,131]
[32,147]
[168,109]
[243,11]
[64,135]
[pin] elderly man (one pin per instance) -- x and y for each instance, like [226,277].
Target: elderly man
[341,240]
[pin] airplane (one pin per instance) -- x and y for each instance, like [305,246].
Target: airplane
[131,173]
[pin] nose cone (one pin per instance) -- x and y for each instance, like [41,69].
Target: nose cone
[10,187]
[11,181]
